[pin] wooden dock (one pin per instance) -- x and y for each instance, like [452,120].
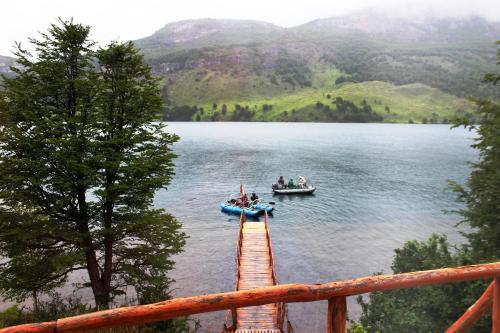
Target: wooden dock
[255,269]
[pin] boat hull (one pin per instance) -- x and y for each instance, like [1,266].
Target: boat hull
[308,190]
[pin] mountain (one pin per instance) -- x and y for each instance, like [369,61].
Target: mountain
[5,63]
[192,34]
[367,66]
[250,66]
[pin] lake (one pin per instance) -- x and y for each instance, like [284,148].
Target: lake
[379,185]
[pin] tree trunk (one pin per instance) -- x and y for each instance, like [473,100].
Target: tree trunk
[108,247]
[35,302]
[101,296]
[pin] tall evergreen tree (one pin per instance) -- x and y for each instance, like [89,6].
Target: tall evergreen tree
[481,195]
[46,162]
[80,161]
[136,161]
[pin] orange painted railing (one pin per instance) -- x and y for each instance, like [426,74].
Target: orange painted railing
[335,292]
[482,306]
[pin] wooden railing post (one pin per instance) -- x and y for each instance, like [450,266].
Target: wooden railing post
[289,327]
[278,316]
[235,317]
[495,315]
[474,312]
[281,316]
[337,315]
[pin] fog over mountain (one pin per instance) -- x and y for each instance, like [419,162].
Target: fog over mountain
[131,20]
[430,28]
[421,11]
[209,31]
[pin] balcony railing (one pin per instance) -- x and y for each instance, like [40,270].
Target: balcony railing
[335,292]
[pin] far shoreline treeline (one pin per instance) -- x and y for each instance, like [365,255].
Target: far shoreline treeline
[333,110]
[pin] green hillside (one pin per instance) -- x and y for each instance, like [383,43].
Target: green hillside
[293,93]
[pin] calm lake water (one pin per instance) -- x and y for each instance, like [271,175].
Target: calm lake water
[379,185]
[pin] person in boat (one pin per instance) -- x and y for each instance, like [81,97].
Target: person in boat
[281,182]
[253,197]
[302,183]
[290,183]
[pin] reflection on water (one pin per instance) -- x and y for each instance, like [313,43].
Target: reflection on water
[379,185]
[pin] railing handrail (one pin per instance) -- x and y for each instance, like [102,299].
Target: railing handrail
[289,293]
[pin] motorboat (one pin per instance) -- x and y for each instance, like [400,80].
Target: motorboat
[302,187]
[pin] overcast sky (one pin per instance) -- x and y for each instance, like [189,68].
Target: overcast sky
[133,19]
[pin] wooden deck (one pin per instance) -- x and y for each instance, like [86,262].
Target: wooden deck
[255,271]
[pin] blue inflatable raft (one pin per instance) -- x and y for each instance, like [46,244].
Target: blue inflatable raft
[228,208]
[249,211]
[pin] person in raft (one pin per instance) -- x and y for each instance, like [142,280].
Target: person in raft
[253,197]
[243,202]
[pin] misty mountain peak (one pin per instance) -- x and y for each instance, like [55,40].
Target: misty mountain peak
[209,32]
[417,27]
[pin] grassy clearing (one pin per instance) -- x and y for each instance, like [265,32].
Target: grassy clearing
[408,102]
